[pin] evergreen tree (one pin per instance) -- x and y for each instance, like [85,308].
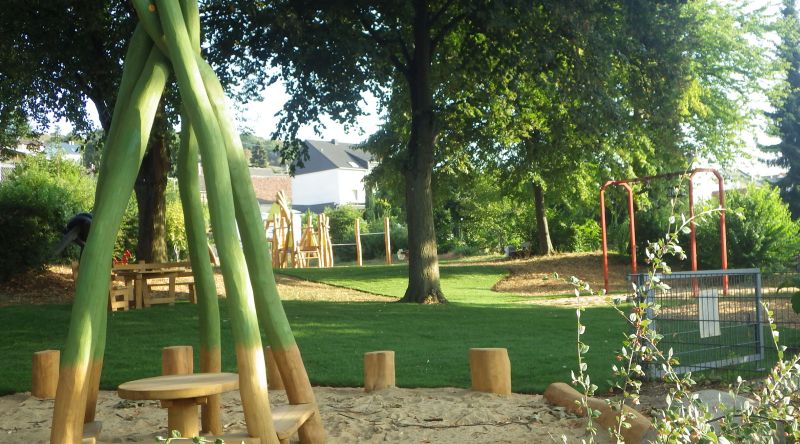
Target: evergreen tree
[787,115]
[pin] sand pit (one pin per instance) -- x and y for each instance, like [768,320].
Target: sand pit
[445,415]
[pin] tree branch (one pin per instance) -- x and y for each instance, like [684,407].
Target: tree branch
[438,14]
[444,30]
[385,45]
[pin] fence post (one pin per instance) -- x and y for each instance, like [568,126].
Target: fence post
[358,243]
[387,240]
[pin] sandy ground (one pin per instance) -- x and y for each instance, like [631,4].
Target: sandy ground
[445,415]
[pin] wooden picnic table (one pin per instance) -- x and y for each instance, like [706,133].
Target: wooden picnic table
[180,395]
[140,273]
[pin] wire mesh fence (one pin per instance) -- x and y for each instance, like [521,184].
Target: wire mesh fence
[714,320]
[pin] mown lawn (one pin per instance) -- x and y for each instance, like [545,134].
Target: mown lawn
[431,342]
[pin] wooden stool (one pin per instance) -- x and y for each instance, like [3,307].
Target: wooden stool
[180,395]
[490,370]
[274,379]
[177,360]
[378,370]
[44,380]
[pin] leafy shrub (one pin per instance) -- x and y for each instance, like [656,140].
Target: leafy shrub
[760,232]
[373,247]
[36,201]
[586,236]
[570,235]
[177,244]
[342,223]
[128,235]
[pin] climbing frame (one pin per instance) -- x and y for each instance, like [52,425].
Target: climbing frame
[167,42]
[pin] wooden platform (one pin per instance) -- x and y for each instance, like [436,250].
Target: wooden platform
[289,418]
[171,387]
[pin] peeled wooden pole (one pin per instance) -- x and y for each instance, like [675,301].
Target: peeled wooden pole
[563,395]
[249,354]
[358,242]
[271,314]
[189,187]
[273,373]
[387,240]
[44,374]
[378,370]
[205,287]
[143,81]
[490,370]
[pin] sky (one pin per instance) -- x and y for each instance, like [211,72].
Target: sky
[259,117]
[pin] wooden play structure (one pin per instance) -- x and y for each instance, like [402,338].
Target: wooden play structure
[314,244]
[284,251]
[387,241]
[166,43]
[310,247]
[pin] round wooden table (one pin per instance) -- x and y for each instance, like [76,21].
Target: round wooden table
[180,395]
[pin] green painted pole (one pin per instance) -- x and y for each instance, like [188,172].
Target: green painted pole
[249,351]
[210,347]
[188,182]
[126,143]
[268,304]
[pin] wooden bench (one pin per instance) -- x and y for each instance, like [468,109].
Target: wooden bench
[120,292]
[150,278]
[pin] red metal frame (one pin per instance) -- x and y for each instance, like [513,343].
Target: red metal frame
[625,183]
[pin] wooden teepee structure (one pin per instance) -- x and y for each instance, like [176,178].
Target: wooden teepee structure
[284,250]
[309,248]
[165,42]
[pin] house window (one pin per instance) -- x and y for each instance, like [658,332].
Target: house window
[355,195]
[353,164]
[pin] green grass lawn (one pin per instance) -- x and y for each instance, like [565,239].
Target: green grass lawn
[431,342]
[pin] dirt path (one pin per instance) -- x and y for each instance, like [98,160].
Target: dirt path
[534,276]
[55,286]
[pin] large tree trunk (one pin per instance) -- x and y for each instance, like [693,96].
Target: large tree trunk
[151,188]
[545,245]
[423,262]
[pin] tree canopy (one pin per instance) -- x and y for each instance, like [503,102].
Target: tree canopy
[786,117]
[56,57]
[539,92]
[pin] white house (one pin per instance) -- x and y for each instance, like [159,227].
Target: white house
[332,175]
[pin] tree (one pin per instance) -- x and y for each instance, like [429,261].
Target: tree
[43,81]
[646,88]
[786,117]
[263,152]
[54,58]
[331,53]
[13,127]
